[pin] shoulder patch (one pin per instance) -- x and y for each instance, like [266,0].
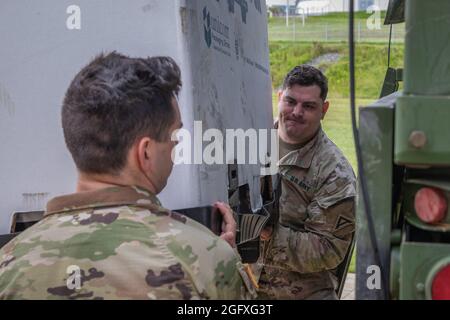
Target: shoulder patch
[342,222]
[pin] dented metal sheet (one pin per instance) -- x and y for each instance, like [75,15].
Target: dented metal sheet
[221,47]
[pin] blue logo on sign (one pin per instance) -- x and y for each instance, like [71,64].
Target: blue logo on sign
[207,27]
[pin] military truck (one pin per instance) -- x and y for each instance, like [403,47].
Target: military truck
[403,146]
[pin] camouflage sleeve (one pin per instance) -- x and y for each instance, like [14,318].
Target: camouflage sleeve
[327,234]
[213,266]
[127,256]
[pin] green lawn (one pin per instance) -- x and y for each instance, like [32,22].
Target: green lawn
[370,65]
[333,28]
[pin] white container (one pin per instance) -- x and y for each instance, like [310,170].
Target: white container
[225,74]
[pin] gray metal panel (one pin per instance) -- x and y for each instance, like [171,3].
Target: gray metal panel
[376,138]
[40,56]
[235,92]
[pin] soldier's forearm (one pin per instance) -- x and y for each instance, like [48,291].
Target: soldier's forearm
[306,252]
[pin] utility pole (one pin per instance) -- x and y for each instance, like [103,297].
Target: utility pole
[359,31]
[294,28]
[287,13]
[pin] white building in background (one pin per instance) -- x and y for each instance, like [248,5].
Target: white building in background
[271,3]
[313,7]
[324,6]
[280,6]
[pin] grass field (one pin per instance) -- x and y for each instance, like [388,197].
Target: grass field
[370,65]
[333,28]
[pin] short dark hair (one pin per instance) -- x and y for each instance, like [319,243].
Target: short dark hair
[306,75]
[113,101]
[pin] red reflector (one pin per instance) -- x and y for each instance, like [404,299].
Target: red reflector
[440,288]
[430,205]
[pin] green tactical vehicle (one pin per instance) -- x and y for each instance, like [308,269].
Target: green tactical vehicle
[403,146]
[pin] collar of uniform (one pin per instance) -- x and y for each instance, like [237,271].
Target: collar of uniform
[302,157]
[108,197]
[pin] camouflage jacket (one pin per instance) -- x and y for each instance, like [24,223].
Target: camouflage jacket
[118,243]
[316,223]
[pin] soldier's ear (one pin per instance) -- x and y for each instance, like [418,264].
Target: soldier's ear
[325,106]
[280,93]
[144,151]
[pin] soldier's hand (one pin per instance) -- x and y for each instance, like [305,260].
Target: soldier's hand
[228,224]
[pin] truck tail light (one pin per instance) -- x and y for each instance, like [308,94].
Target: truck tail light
[440,287]
[430,205]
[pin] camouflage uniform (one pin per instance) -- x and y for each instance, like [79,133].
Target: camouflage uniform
[125,246]
[316,223]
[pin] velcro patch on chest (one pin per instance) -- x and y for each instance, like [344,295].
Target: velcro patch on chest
[301,183]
